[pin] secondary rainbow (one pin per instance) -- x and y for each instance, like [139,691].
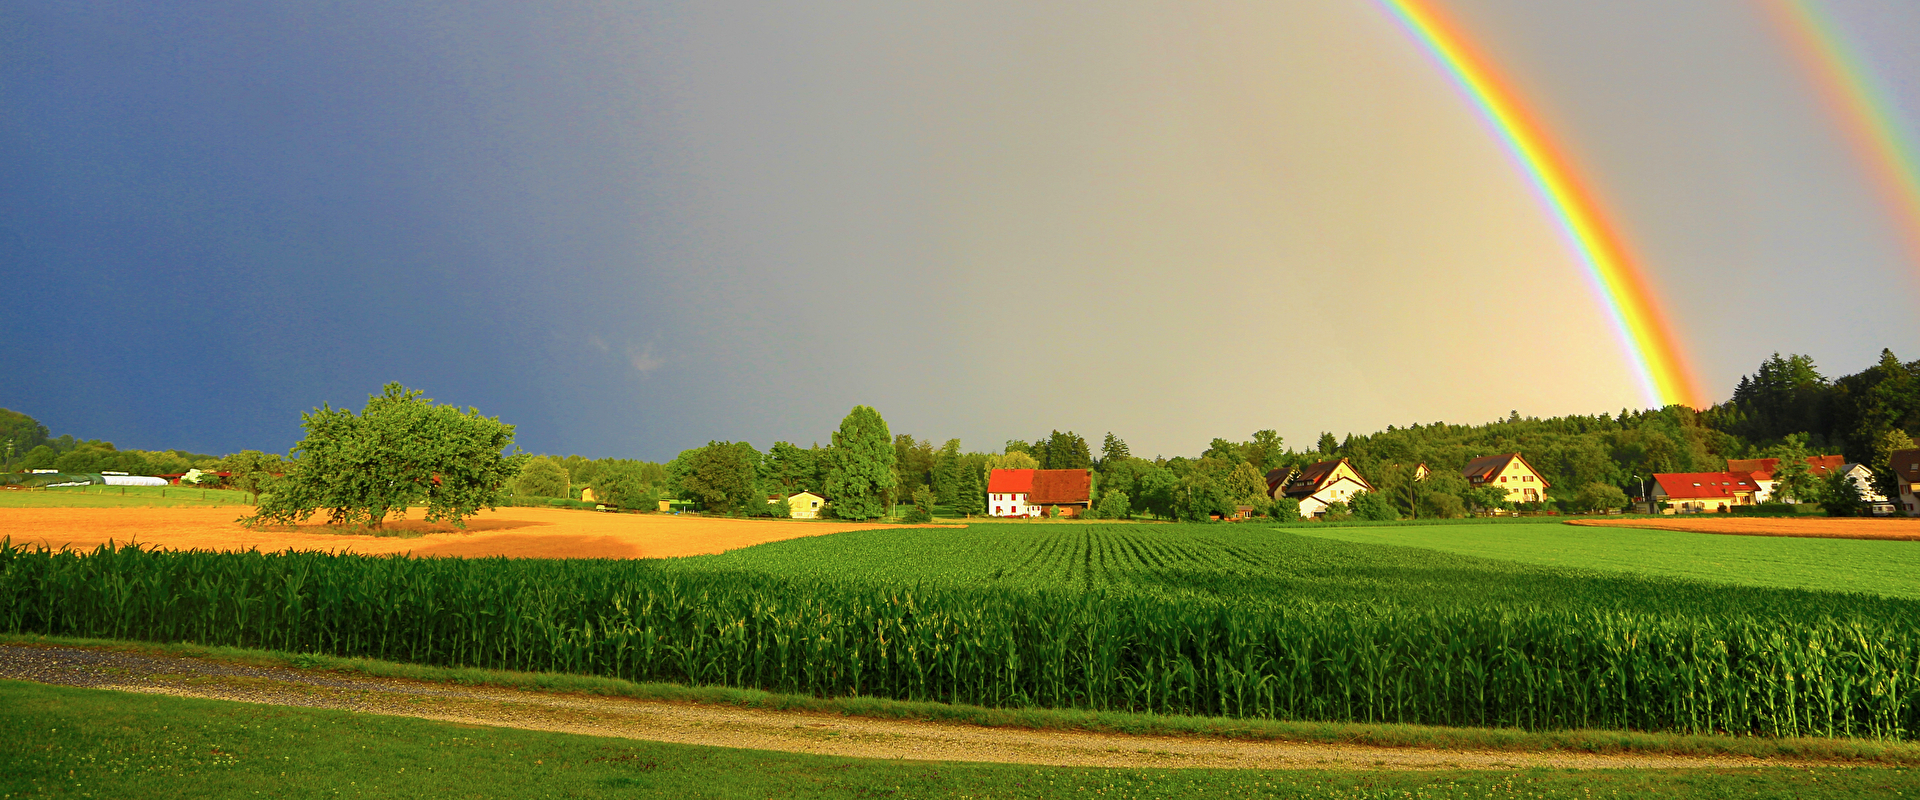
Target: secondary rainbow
[1643,330]
[1863,109]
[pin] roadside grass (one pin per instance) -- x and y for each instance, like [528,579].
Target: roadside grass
[1835,750]
[122,497]
[1887,568]
[65,741]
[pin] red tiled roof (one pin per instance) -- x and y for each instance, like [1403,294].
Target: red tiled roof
[1054,486]
[1764,468]
[1705,485]
[1823,464]
[1010,481]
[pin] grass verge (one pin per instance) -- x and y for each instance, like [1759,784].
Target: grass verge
[96,743]
[1836,750]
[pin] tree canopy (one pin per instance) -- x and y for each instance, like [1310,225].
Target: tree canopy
[860,465]
[401,450]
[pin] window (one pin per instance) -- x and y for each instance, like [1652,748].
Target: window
[1503,479]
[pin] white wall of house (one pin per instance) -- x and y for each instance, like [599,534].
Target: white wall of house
[1014,504]
[1341,490]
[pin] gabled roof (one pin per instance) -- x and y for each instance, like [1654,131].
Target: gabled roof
[1486,468]
[1010,481]
[1906,464]
[1315,477]
[1052,486]
[1705,485]
[1276,477]
[1763,469]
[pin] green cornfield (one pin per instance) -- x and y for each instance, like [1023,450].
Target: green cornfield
[1159,619]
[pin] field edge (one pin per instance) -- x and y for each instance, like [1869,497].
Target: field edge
[1838,750]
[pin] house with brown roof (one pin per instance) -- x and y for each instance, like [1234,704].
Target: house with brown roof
[1509,471]
[1906,473]
[1704,492]
[1322,484]
[1034,492]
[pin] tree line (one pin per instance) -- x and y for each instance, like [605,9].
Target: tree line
[1786,409]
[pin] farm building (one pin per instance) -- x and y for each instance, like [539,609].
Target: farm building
[1030,492]
[1322,484]
[1704,492]
[1906,471]
[1762,469]
[1878,504]
[802,504]
[1509,471]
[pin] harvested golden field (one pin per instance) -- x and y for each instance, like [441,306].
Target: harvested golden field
[511,532]
[1897,528]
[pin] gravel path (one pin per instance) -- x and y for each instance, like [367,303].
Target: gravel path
[729,726]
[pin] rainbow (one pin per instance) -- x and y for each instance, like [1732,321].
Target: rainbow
[1651,348]
[1862,107]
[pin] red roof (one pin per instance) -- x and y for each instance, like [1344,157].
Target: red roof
[1011,481]
[1764,468]
[1705,485]
[1055,486]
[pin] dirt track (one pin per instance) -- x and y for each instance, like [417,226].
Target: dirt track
[1897,528]
[729,726]
[512,532]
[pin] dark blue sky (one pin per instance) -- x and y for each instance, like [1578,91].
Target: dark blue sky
[632,228]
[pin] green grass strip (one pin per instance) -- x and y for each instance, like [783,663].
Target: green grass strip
[64,741]
[1838,750]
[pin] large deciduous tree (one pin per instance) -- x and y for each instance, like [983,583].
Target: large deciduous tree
[401,450]
[860,465]
[724,477]
[542,476]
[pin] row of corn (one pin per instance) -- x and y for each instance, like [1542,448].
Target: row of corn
[1000,646]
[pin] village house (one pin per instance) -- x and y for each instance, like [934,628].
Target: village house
[1032,492]
[802,504]
[1322,484]
[1878,504]
[1761,471]
[1704,492]
[1906,471]
[1509,471]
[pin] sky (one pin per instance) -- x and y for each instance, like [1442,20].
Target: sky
[632,228]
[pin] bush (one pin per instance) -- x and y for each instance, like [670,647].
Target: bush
[1440,505]
[1285,509]
[1601,497]
[1372,507]
[1115,504]
[922,510]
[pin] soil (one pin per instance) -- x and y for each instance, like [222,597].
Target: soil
[510,532]
[1897,528]
[730,726]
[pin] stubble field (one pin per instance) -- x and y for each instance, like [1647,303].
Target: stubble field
[510,532]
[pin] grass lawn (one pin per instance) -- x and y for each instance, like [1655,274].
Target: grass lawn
[122,497]
[1887,568]
[66,742]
